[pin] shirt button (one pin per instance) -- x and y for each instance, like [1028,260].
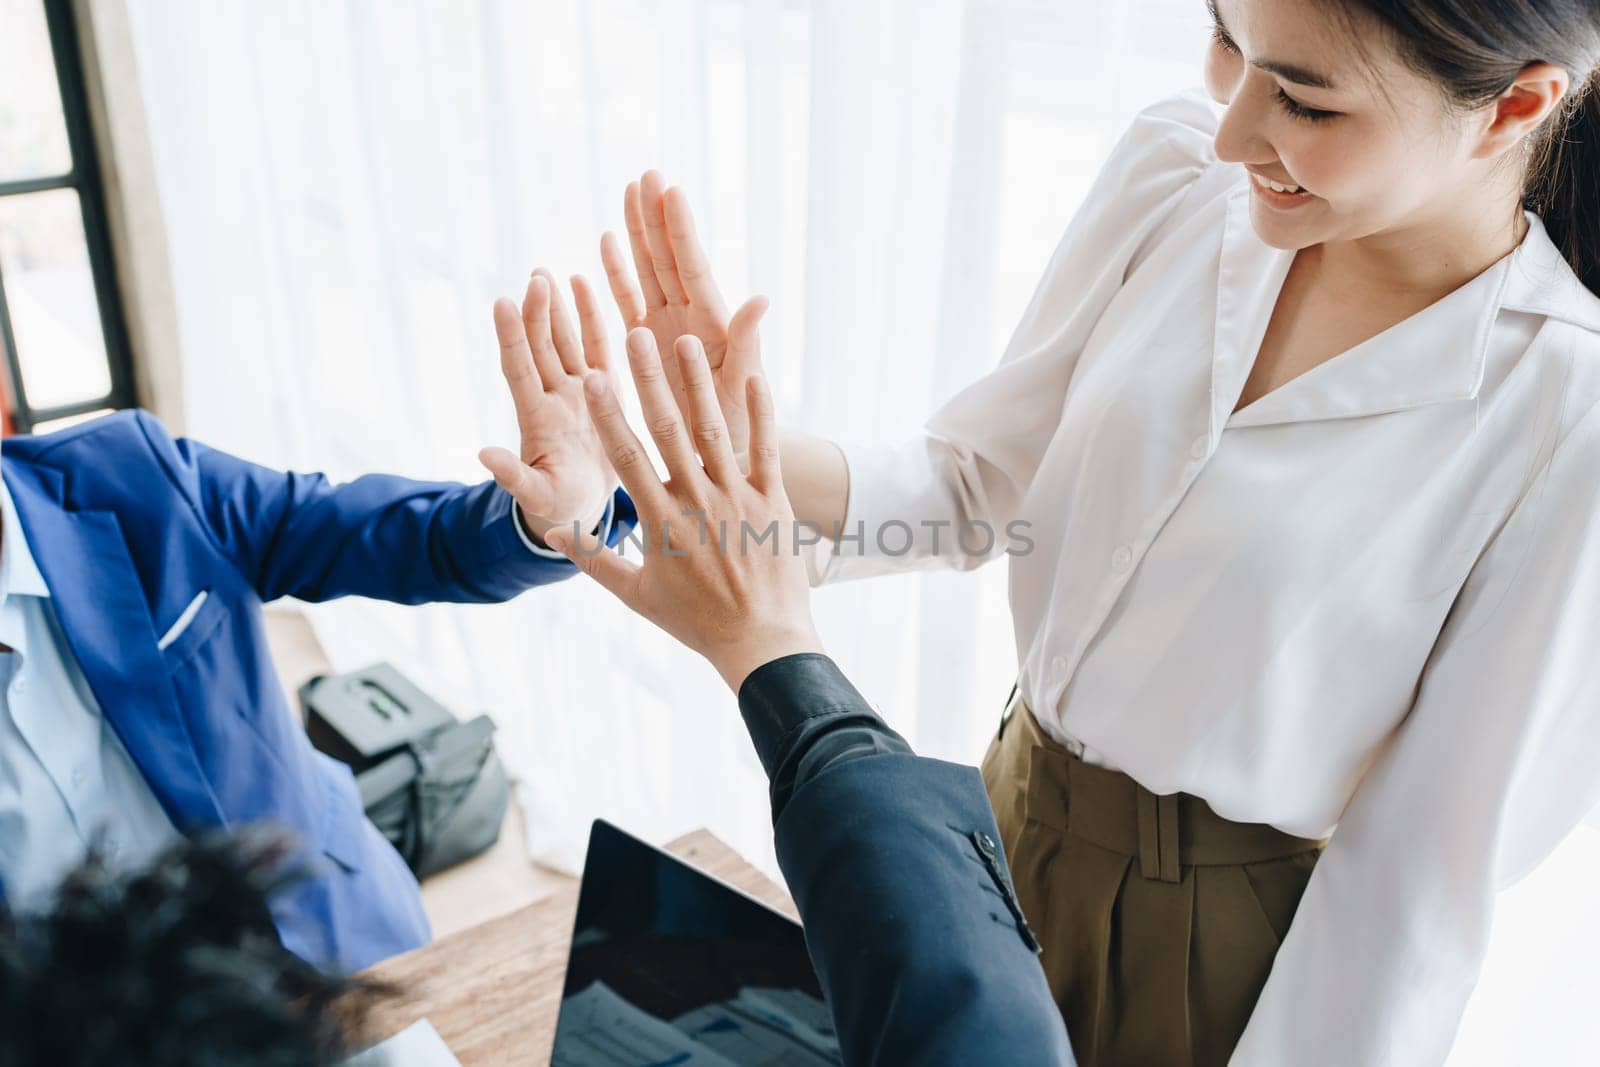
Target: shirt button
[1058,667]
[19,686]
[1198,449]
[78,776]
[1121,558]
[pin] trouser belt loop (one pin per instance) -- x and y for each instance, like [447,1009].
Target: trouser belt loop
[1158,835]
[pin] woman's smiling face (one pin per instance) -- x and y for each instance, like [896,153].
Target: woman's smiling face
[1369,142]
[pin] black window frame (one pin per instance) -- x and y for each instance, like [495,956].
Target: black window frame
[84,178]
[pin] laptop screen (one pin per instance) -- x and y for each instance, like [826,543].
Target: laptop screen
[672,967]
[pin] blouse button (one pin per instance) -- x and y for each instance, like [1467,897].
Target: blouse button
[1198,449]
[1121,558]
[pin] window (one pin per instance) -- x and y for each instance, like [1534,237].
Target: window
[62,336]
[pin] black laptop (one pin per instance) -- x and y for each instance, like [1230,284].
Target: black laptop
[673,968]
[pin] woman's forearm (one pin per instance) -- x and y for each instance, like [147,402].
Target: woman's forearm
[817,479]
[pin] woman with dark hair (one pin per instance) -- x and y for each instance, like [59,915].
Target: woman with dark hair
[1296,452]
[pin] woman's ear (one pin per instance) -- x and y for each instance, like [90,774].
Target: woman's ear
[1525,104]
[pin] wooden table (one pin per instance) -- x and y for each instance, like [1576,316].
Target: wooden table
[493,991]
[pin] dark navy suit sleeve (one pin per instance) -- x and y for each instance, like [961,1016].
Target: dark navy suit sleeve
[804,716]
[379,536]
[907,903]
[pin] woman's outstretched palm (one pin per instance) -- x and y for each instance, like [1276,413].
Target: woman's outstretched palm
[671,292]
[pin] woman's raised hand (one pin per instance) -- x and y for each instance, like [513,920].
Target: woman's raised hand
[561,475]
[720,570]
[669,290]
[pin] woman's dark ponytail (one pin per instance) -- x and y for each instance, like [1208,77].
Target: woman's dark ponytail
[1564,183]
[1475,49]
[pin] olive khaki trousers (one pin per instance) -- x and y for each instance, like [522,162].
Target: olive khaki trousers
[1159,919]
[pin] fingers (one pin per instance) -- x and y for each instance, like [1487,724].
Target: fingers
[630,301]
[528,487]
[516,360]
[596,341]
[744,342]
[766,471]
[660,409]
[617,575]
[562,330]
[623,449]
[705,414]
[651,193]
[694,270]
[536,322]
[633,213]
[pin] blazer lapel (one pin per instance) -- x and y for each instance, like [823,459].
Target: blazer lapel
[101,606]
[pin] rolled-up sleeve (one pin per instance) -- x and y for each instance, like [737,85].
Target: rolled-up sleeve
[966,474]
[1496,762]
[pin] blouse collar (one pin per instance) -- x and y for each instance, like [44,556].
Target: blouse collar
[1434,356]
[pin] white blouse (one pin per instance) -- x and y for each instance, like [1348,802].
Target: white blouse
[1370,598]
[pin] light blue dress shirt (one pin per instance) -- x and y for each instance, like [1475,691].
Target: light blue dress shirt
[65,779]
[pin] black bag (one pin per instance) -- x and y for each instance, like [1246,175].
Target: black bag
[432,785]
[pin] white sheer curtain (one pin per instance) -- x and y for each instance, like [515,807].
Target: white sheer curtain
[349,185]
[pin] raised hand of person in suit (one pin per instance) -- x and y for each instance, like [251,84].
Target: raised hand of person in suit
[719,571]
[671,292]
[561,476]
[909,912]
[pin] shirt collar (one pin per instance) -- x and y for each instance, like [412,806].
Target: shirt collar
[1443,346]
[19,574]
[1542,281]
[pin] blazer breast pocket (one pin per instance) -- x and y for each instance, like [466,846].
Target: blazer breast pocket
[195,625]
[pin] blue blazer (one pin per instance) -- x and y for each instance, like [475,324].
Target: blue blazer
[129,525]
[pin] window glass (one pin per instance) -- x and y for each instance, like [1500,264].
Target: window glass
[49,292]
[33,133]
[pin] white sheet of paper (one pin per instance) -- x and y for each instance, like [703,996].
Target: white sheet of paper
[418,1045]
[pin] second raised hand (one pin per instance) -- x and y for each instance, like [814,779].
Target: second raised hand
[720,572]
[669,290]
[561,475]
